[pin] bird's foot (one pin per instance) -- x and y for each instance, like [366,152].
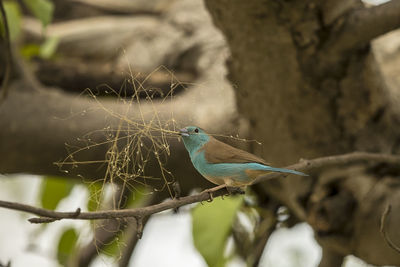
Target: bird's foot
[210,197]
[232,190]
[210,191]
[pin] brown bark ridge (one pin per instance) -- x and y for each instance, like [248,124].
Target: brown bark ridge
[318,91]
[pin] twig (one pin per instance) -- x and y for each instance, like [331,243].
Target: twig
[139,227]
[49,219]
[383,231]
[330,161]
[138,213]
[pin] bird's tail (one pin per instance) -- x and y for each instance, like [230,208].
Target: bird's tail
[286,171]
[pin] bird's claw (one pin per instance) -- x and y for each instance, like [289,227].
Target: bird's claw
[210,191]
[231,190]
[211,197]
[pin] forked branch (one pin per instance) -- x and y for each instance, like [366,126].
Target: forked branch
[363,25]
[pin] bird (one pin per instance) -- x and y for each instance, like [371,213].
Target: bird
[222,164]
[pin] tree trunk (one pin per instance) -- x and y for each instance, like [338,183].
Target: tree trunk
[309,102]
[309,85]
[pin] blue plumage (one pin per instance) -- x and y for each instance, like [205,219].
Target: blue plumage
[221,163]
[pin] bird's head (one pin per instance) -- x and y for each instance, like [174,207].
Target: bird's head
[193,138]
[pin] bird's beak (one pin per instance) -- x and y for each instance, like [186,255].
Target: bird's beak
[183,132]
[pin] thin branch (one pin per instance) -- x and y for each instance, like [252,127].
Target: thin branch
[345,159]
[140,213]
[383,231]
[363,25]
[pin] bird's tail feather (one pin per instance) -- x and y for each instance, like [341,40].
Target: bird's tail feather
[286,171]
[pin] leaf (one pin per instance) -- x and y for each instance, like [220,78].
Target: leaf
[41,9]
[30,50]
[113,248]
[95,193]
[212,224]
[53,190]
[13,14]
[138,197]
[48,48]
[66,245]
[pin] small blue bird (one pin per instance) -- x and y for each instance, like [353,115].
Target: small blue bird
[221,163]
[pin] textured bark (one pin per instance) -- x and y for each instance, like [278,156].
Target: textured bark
[309,85]
[310,105]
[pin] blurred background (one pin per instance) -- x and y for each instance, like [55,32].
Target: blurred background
[64,48]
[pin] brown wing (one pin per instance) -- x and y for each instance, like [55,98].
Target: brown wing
[218,152]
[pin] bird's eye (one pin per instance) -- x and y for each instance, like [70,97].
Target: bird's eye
[196,130]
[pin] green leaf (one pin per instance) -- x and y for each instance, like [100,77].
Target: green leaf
[13,14]
[95,194]
[138,197]
[212,224]
[48,48]
[113,248]
[41,9]
[53,190]
[30,50]
[66,245]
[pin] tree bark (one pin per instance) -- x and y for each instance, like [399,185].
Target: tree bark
[310,105]
[310,86]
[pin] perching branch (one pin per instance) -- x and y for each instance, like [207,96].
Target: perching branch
[365,24]
[139,214]
[46,216]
